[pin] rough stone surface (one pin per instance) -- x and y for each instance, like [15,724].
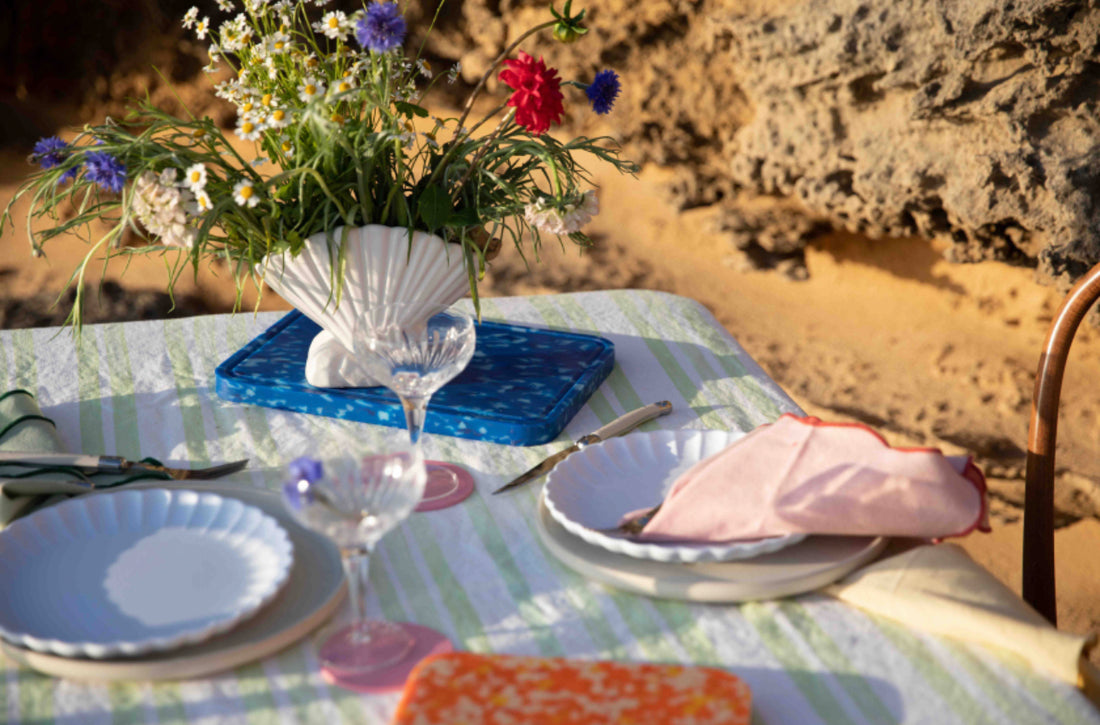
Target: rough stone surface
[971,120]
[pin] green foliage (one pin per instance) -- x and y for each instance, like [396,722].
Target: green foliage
[344,141]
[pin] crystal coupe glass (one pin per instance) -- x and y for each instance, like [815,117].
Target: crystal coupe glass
[356,504]
[414,348]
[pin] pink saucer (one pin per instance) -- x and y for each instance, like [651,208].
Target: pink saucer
[456,482]
[392,678]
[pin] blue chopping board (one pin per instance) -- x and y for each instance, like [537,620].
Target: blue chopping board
[523,385]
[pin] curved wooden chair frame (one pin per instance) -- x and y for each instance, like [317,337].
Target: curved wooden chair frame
[1038,559]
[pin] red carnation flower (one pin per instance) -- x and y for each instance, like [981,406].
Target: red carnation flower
[536,93]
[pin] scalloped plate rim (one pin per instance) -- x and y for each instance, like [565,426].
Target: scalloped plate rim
[279,543]
[662,552]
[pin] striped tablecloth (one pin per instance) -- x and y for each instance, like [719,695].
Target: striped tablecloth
[478,572]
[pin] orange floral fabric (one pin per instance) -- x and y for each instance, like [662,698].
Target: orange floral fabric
[462,688]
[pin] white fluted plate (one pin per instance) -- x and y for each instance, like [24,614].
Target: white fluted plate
[131,572]
[592,489]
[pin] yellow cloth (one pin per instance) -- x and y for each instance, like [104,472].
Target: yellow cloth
[940,589]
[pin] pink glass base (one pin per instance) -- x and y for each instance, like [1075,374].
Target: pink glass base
[392,678]
[364,647]
[448,484]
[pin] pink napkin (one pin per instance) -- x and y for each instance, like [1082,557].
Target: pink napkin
[802,475]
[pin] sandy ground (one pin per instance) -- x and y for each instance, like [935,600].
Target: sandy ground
[883,331]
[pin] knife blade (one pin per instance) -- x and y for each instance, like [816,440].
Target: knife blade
[114,464]
[622,424]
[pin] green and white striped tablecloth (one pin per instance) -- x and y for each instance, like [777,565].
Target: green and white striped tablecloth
[478,572]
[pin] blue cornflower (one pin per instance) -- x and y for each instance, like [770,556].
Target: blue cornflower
[382,28]
[68,175]
[50,151]
[305,469]
[105,170]
[602,92]
[303,473]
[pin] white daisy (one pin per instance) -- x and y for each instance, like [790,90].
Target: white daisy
[190,17]
[202,27]
[196,177]
[278,118]
[334,25]
[248,129]
[343,85]
[452,74]
[226,6]
[202,203]
[278,43]
[244,193]
[310,89]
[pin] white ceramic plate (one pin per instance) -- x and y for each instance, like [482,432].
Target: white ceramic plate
[805,567]
[131,572]
[313,591]
[593,488]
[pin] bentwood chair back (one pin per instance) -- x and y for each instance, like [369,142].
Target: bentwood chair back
[1038,563]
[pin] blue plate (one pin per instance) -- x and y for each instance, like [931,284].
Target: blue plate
[522,386]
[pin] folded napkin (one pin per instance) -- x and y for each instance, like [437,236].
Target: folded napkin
[801,475]
[23,489]
[940,589]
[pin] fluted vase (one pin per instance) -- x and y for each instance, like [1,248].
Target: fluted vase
[381,264]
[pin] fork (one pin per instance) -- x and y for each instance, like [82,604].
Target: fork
[634,526]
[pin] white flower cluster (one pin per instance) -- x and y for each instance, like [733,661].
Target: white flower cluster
[565,219]
[163,206]
[264,104]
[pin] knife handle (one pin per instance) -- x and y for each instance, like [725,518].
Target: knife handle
[41,458]
[628,422]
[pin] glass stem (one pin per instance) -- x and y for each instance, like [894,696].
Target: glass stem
[357,573]
[415,410]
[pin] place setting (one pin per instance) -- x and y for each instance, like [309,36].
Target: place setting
[719,516]
[155,580]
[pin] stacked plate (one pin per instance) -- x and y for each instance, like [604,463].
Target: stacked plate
[589,492]
[160,582]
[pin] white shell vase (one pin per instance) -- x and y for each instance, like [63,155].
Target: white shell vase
[381,265]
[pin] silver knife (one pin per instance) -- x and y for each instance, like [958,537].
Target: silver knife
[620,425]
[113,464]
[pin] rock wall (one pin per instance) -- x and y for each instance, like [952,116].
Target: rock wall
[977,121]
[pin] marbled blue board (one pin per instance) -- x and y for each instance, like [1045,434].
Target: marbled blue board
[522,386]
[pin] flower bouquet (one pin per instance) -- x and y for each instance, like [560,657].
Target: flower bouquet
[354,191]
